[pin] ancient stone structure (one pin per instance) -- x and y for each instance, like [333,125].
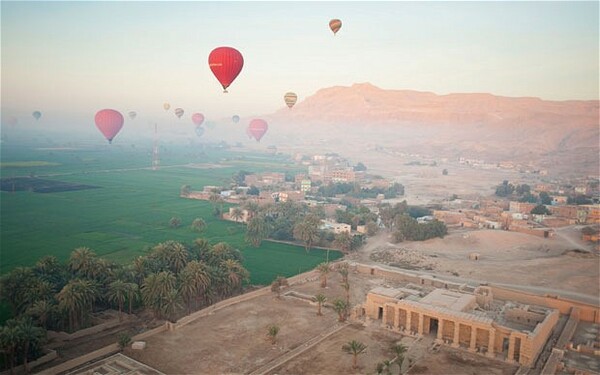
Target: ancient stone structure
[473,321]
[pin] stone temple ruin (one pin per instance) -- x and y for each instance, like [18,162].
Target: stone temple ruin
[467,319]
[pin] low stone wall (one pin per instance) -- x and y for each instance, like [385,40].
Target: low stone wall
[49,356]
[569,329]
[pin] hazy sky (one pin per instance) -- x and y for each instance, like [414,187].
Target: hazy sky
[73,58]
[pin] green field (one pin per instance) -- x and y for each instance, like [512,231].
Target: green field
[131,210]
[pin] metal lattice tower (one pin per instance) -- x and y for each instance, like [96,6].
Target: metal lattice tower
[155,159]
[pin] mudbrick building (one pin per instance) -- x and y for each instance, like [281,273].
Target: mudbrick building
[473,321]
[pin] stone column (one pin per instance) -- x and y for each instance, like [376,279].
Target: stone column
[491,342]
[455,341]
[473,339]
[420,326]
[408,320]
[511,350]
[384,316]
[397,318]
[440,332]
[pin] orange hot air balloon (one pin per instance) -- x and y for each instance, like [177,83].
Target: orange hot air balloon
[335,25]
[258,128]
[226,63]
[166,106]
[109,122]
[290,99]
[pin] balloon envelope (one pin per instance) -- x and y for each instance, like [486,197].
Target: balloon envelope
[109,122]
[226,63]
[258,128]
[235,119]
[179,112]
[290,99]
[132,114]
[37,115]
[198,118]
[335,25]
[199,131]
[166,106]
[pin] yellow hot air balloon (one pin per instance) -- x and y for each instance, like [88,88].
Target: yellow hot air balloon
[166,106]
[290,99]
[335,25]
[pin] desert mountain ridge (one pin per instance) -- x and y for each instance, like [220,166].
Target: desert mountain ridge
[479,125]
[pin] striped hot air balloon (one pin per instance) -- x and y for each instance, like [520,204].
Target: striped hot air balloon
[178,112]
[335,25]
[290,99]
[132,114]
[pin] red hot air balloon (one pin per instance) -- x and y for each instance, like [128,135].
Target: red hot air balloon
[258,128]
[226,63]
[335,25]
[109,122]
[198,118]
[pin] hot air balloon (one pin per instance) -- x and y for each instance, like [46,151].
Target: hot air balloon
[132,114]
[235,119]
[290,99]
[335,25]
[199,131]
[109,122]
[226,63]
[179,112]
[258,128]
[37,115]
[198,118]
[166,106]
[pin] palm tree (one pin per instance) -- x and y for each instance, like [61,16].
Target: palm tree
[236,273]
[341,308]
[277,284]
[307,231]
[132,290]
[320,299]
[384,367]
[272,332]
[30,335]
[343,241]
[252,208]
[324,270]
[346,286]
[198,225]
[170,304]
[399,350]
[156,289]
[344,270]
[237,213]
[355,348]
[9,338]
[82,261]
[257,230]
[41,310]
[217,202]
[72,299]
[200,248]
[175,222]
[117,293]
[194,280]
[172,255]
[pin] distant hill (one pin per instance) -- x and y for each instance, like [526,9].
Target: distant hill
[556,134]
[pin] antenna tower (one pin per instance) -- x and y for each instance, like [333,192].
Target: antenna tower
[155,159]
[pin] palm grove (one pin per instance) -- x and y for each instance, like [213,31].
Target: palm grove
[171,280]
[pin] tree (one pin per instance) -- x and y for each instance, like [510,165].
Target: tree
[237,214]
[194,280]
[217,202]
[123,340]
[156,290]
[77,298]
[359,167]
[504,189]
[355,348]
[346,286]
[384,367]
[82,261]
[236,273]
[29,336]
[341,308]
[320,299]
[9,339]
[253,191]
[399,350]
[372,228]
[344,271]
[185,190]
[198,225]
[545,198]
[277,284]
[272,332]
[540,209]
[41,310]
[343,241]
[257,230]
[117,293]
[324,270]
[175,222]
[307,230]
